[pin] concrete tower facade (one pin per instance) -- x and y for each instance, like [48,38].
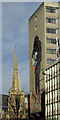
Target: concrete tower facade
[44,27]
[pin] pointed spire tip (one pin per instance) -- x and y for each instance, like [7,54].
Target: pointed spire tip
[15,46]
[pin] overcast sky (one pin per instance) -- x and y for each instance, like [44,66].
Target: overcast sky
[29,0]
[15,16]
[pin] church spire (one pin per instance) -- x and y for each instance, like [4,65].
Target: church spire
[16,81]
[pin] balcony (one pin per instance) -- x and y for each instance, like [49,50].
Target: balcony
[49,89]
[59,99]
[56,100]
[46,103]
[51,101]
[51,113]
[59,111]
[56,86]
[59,86]
[48,115]
[54,112]
[46,91]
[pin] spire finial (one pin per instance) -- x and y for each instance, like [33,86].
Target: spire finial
[15,46]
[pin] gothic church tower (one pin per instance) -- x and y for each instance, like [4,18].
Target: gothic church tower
[16,102]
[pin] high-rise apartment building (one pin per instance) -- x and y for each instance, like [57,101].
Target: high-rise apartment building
[44,28]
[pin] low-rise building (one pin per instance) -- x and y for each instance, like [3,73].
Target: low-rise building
[52,91]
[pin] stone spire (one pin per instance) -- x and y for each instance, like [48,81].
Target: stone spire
[16,81]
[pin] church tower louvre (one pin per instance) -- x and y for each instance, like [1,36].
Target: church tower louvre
[16,100]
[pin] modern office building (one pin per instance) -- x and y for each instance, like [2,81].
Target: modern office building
[44,30]
[52,91]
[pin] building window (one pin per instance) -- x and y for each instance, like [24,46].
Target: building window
[50,40]
[50,20]
[51,51]
[50,10]
[35,28]
[35,18]
[49,60]
[51,30]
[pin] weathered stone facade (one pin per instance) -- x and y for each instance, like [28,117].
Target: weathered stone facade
[16,99]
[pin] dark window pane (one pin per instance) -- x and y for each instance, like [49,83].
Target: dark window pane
[49,60]
[51,51]
[51,30]
[50,10]
[50,40]
[50,20]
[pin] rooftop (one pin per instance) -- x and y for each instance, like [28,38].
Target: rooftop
[41,4]
[57,61]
